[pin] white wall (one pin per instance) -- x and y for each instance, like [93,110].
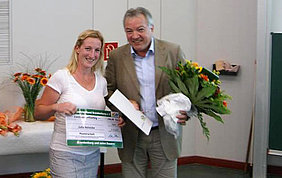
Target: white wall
[226,29]
[206,30]
[276,14]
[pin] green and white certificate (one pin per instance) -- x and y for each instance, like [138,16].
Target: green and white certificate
[89,127]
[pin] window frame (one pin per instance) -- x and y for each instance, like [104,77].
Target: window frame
[6,41]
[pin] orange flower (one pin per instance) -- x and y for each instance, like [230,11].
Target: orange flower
[17,74]
[38,70]
[224,103]
[3,121]
[24,77]
[31,80]
[3,132]
[26,74]
[43,81]
[205,77]
[15,129]
[16,79]
[195,64]
[43,72]
[35,76]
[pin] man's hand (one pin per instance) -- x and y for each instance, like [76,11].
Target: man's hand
[182,118]
[135,104]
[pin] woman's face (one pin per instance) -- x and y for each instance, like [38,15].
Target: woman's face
[89,52]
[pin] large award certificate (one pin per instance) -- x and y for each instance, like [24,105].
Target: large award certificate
[88,127]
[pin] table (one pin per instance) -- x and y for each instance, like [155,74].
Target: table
[27,152]
[35,137]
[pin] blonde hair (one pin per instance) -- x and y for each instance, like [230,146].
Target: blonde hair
[72,66]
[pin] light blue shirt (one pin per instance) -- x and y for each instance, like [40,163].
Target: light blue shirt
[145,70]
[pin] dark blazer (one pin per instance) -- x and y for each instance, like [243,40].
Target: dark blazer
[121,75]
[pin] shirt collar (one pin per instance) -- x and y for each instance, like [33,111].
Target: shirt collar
[151,49]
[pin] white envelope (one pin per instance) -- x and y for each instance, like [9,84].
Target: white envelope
[125,106]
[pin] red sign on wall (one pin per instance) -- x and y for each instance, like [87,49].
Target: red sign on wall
[109,46]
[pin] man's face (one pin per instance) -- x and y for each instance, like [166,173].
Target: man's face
[138,34]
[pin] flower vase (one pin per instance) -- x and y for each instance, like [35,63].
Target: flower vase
[29,113]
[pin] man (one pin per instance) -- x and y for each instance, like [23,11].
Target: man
[134,70]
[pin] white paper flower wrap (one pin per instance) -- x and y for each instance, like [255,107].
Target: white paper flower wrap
[168,108]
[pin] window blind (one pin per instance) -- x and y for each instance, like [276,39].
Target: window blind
[5,36]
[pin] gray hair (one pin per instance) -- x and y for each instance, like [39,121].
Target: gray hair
[139,11]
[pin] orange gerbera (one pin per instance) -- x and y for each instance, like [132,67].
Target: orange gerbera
[24,77]
[26,74]
[43,81]
[35,76]
[38,69]
[17,74]
[43,72]
[16,79]
[31,80]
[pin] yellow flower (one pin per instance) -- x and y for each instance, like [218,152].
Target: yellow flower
[200,69]
[40,175]
[187,61]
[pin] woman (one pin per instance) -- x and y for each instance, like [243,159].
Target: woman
[79,85]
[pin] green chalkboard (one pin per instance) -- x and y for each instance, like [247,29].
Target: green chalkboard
[275,127]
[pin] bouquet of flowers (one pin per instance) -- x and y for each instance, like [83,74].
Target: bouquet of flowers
[31,84]
[44,174]
[201,86]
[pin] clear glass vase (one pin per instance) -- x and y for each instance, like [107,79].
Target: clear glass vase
[29,113]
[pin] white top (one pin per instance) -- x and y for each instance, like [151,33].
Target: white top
[71,91]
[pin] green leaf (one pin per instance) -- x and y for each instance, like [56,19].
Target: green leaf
[216,108]
[192,84]
[182,86]
[206,131]
[212,114]
[206,92]
[166,70]
[212,76]
[174,87]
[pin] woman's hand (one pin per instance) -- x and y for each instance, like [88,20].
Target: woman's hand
[121,122]
[66,108]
